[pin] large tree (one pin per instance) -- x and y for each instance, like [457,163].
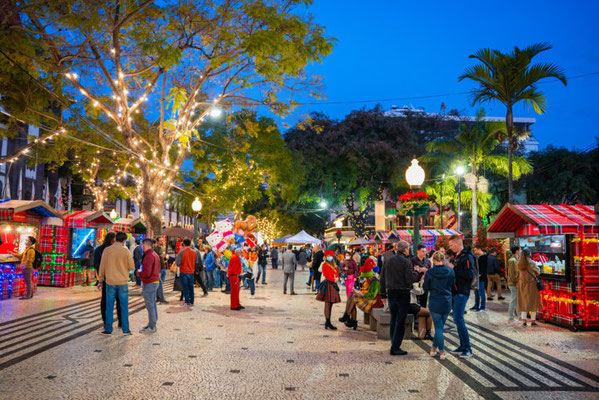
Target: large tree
[355,161]
[511,78]
[474,145]
[155,69]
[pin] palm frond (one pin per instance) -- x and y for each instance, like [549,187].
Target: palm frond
[536,72]
[536,48]
[533,97]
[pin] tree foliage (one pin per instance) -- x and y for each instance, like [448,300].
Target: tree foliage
[153,70]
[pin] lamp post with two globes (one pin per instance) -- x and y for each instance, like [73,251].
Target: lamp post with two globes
[459,171]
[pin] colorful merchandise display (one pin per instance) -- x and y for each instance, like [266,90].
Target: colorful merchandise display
[20,219]
[62,243]
[564,243]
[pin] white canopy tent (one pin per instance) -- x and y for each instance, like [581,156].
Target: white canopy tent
[302,238]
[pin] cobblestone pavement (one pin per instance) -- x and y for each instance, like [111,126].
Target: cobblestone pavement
[51,348]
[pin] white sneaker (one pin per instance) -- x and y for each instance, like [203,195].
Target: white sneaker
[433,352]
[252,296]
[147,329]
[442,356]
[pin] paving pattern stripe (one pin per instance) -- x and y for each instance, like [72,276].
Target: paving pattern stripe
[486,392]
[36,334]
[490,372]
[537,353]
[40,321]
[520,351]
[53,311]
[536,367]
[69,328]
[509,371]
[53,344]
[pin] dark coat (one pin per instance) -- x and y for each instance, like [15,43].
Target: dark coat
[439,281]
[397,274]
[464,271]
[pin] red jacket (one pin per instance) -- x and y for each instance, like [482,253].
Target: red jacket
[234,266]
[150,271]
[188,261]
[330,272]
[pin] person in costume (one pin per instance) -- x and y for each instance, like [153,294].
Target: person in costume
[233,272]
[328,290]
[366,298]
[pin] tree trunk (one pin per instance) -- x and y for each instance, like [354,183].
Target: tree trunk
[474,203]
[509,122]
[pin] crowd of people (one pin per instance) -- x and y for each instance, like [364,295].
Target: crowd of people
[431,287]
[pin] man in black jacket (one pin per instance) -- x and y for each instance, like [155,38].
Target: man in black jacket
[464,272]
[396,281]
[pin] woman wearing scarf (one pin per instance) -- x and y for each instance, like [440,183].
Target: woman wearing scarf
[328,291]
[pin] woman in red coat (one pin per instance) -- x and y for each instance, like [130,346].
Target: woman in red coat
[233,272]
[328,291]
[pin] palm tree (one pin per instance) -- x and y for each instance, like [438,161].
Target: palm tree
[510,78]
[474,145]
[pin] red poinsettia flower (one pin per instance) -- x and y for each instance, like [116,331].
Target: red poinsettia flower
[338,233]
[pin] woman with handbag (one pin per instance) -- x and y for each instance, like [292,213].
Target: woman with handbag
[529,296]
[328,290]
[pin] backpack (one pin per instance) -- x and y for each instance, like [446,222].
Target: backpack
[37,261]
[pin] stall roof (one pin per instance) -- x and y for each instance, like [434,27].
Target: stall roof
[360,242]
[130,222]
[177,231]
[76,218]
[38,207]
[302,238]
[281,240]
[544,219]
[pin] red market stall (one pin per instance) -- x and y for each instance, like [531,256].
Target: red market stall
[563,241]
[62,246]
[18,220]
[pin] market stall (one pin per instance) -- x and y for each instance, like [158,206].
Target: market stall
[563,241]
[63,246]
[173,237]
[20,219]
[280,242]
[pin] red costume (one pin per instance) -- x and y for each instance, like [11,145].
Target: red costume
[234,271]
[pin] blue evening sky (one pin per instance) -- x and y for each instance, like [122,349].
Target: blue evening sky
[396,49]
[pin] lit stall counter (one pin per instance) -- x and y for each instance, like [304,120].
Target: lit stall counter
[563,242]
[20,219]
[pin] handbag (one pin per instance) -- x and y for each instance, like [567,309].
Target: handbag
[177,287]
[540,285]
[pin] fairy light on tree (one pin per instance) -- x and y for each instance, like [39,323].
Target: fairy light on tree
[155,90]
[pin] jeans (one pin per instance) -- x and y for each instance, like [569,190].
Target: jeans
[252,285]
[399,303]
[275,263]
[459,305]
[160,291]
[480,302]
[148,290]
[103,306]
[513,301]
[288,276]
[261,270]
[439,321]
[218,282]
[245,282]
[187,284]
[210,279]
[28,278]
[122,293]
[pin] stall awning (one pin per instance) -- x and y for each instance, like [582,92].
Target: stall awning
[360,242]
[84,219]
[280,240]
[302,238]
[128,224]
[177,231]
[36,207]
[427,234]
[543,219]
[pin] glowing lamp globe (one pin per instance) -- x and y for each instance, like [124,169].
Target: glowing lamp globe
[113,214]
[196,206]
[215,112]
[323,203]
[338,224]
[459,170]
[415,174]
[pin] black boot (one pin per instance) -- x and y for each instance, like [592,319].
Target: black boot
[345,317]
[428,336]
[328,325]
[352,323]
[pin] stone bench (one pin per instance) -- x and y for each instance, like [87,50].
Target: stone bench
[380,322]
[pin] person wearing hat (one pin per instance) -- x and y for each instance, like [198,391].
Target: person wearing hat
[328,290]
[366,298]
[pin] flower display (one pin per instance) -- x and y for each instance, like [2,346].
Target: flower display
[412,201]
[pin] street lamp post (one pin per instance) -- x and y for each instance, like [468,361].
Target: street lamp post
[415,178]
[196,206]
[441,201]
[459,172]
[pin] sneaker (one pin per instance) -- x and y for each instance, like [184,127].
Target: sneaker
[442,356]
[466,354]
[128,333]
[456,351]
[252,296]
[164,303]
[474,308]
[106,333]
[481,310]
[433,352]
[147,329]
[293,294]
[501,298]
[490,298]
[205,294]
[399,352]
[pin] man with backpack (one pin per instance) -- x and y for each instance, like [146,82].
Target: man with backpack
[30,259]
